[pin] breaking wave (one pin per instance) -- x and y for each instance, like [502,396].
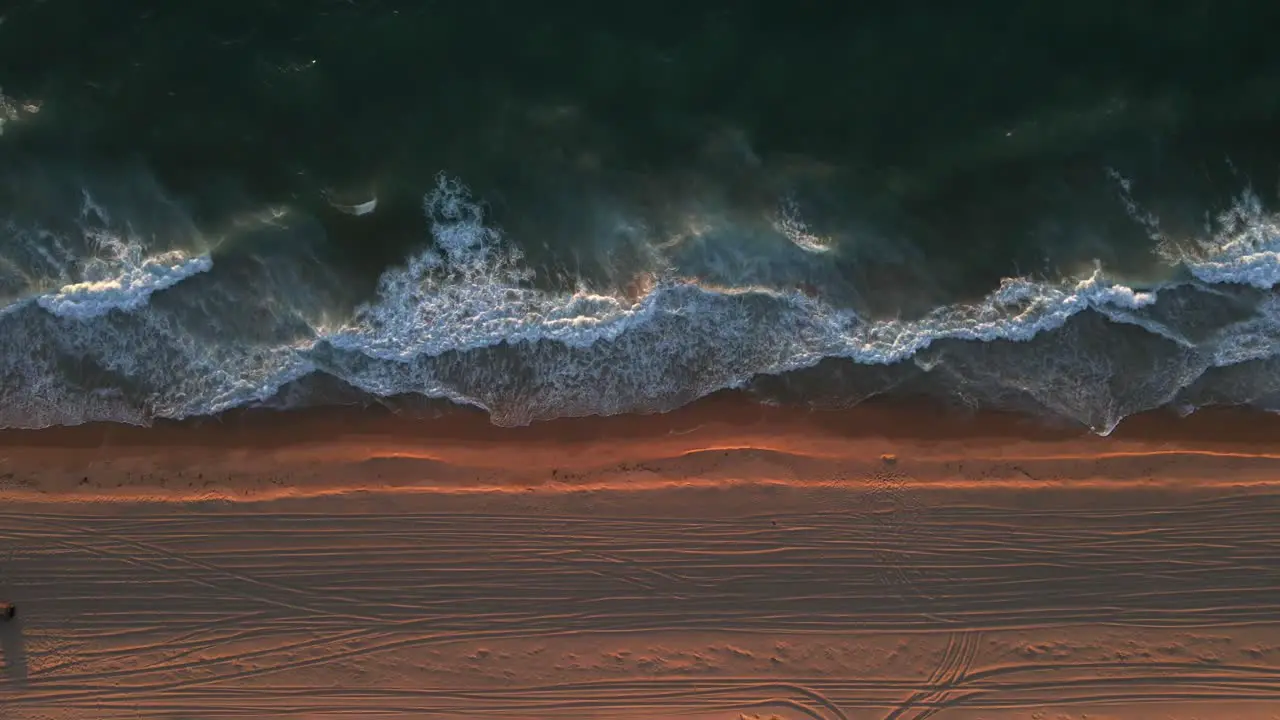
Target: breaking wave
[128,331]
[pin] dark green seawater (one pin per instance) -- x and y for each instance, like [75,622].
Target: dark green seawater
[555,208]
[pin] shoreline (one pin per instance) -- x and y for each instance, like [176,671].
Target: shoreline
[891,418]
[721,442]
[727,557]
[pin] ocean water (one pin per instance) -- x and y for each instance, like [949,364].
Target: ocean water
[552,210]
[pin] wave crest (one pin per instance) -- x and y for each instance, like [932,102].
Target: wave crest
[463,320]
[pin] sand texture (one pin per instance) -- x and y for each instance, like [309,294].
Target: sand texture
[723,561]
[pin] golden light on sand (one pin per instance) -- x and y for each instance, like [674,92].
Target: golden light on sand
[724,561]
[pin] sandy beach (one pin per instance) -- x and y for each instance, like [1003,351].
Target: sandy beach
[727,560]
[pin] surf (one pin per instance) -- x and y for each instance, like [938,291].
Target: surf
[462,320]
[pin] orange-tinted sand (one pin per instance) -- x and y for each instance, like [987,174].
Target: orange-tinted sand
[722,561]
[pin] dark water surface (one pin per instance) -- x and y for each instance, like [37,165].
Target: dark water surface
[554,208]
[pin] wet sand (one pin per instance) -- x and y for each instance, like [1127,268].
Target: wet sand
[723,561]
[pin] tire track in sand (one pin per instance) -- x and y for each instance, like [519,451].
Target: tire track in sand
[230,609]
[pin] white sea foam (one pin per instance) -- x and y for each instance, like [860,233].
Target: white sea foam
[357,209]
[89,268]
[1241,246]
[793,227]
[588,351]
[121,277]
[12,111]
[1244,249]
[1255,338]
[469,293]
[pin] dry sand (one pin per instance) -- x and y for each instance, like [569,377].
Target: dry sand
[723,561]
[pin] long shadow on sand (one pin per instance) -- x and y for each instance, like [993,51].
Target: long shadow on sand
[13,650]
